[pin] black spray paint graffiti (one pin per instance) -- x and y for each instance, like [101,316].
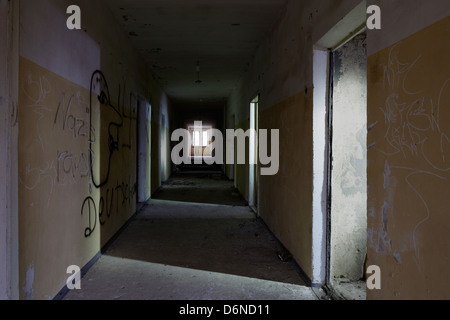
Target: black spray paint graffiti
[98,81]
[124,191]
[89,206]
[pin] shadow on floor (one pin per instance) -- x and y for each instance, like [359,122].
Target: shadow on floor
[114,278]
[205,187]
[205,237]
[195,240]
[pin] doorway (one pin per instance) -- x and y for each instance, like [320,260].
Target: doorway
[347,170]
[231,167]
[163,149]
[253,155]
[144,139]
[340,158]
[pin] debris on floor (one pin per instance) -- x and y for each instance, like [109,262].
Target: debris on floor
[285,256]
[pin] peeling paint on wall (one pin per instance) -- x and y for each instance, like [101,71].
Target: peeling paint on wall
[409,167]
[29,281]
[398,257]
[348,203]
[387,175]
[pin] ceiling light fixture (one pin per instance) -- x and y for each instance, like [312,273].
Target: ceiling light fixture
[198,73]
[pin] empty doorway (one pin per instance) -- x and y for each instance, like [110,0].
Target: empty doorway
[340,157]
[163,149]
[253,156]
[231,167]
[144,150]
[347,217]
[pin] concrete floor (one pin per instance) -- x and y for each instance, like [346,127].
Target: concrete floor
[202,187]
[345,289]
[188,250]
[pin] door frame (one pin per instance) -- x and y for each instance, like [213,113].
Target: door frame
[253,169]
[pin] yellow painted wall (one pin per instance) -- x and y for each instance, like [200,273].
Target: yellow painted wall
[409,165]
[242,173]
[118,145]
[64,218]
[285,199]
[56,206]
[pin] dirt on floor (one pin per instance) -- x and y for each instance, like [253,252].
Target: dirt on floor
[197,227]
[205,237]
[212,188]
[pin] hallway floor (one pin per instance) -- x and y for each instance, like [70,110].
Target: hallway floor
[174,249]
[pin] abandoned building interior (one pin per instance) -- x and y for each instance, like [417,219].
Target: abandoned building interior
[357,120]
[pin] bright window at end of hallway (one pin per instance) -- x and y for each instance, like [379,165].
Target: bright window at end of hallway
[200,137]
[196,138]
[205,138]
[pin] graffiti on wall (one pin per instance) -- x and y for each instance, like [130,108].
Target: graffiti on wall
[73,142]
[116,195]
[415,144]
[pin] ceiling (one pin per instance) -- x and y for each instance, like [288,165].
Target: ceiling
[220,35]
